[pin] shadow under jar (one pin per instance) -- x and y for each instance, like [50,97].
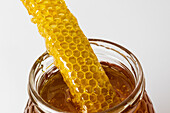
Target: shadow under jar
[112,56]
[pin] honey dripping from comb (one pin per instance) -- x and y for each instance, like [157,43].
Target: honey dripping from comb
[73,55]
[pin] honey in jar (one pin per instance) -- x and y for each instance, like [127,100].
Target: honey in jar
[124,73]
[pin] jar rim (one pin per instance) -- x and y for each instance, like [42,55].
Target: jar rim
[37,99]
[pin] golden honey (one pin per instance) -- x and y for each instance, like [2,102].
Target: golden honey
[55,91]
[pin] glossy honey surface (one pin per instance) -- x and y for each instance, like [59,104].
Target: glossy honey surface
[56,92]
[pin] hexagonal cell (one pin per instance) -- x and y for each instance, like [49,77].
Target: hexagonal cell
[96,62]
[65,32]
[72,33]
[53,25]
[76,26]
[88,61]
[92,82]
[72,46]
[80,47]
[68,26]
[72,20]
[60,25]
[80,60]
[88,89]
[96,75]
[93,97]
[80,89]
[76,67]
[76,53]
[57,32]
[65,20]
[104,105]
[56,18]
[93,68]
[84,54]
[60,38]
[84,96]
[87,46]
[76,39]
[108,99]
[100,82]
[68,39]
[88,75]
[79,32]
[84,68]
[97,90]
[105,91]
[80,75]
[68,52]
[49,18]
[64,45]
[84,40]
[100,98]
[72,60]
[61,13]
[84,82]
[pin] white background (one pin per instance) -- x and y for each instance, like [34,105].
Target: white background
[142,26]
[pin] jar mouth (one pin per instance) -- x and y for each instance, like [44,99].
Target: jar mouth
[131,59]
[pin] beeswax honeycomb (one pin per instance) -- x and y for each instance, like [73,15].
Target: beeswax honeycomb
[73,55]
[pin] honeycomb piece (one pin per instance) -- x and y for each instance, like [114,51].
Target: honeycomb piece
[73,55]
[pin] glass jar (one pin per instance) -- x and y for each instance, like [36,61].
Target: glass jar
[136,102]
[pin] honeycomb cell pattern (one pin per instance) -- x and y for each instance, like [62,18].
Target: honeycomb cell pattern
[73,55]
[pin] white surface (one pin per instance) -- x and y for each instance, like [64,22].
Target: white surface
[142,26]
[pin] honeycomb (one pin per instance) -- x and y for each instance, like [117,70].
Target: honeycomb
[89,85]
